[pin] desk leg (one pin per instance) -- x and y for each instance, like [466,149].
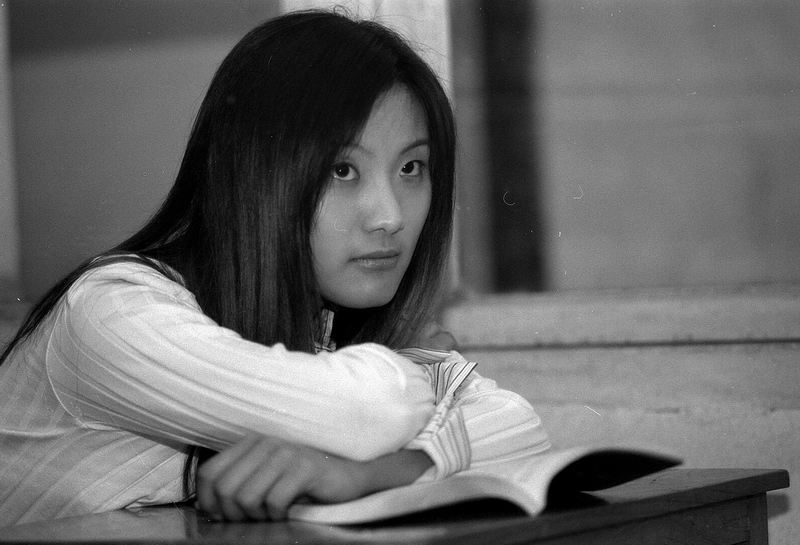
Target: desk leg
[757,519]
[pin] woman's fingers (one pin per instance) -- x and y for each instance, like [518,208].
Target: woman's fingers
[221,478]
[220,462]
[207,475]
[284,491]
[260,477]
[255,495]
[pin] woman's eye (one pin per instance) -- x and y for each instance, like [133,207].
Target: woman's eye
[343,171]
[412,168]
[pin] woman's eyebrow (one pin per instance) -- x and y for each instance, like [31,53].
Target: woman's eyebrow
[418,143]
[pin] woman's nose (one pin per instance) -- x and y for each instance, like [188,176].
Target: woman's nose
[383,211]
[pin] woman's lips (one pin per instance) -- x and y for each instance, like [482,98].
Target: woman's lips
[380,260]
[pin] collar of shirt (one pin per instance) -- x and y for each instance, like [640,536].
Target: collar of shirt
[324,328]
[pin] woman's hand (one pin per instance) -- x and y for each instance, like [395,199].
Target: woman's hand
[433,336]
[260,477]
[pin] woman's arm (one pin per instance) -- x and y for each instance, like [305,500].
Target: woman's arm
[132,350]
[501,424]
[476,422]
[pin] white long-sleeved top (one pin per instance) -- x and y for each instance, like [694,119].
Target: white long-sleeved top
[97,408]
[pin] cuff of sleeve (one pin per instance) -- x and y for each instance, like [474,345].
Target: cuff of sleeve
[445,440]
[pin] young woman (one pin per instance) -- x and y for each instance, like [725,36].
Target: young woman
[260,313]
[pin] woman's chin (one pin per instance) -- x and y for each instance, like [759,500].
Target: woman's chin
[363,299]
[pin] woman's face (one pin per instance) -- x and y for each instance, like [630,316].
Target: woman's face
[372,213]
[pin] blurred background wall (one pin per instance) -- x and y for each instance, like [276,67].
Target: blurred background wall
[679,125]
[104,94]
[663,147]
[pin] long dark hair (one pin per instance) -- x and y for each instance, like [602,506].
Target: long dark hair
[236,225]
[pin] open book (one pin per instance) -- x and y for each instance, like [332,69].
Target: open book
[527,482]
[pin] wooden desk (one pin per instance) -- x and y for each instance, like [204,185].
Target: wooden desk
[710,506]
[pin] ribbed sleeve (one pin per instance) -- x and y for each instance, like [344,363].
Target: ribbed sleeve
[131,350]
[475,422]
